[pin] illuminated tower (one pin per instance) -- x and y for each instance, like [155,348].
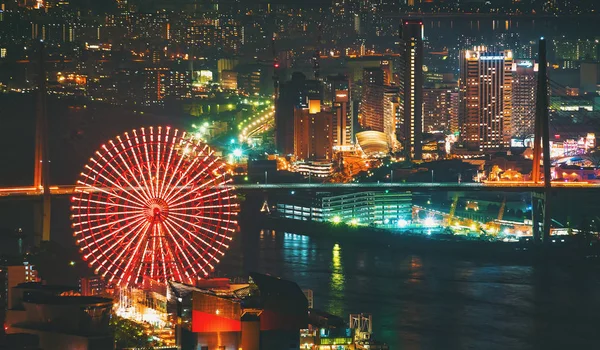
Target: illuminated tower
[410,125]
[485,99]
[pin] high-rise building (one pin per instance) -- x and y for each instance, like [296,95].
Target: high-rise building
[485,99]
[371,107]
[440,109]
[338,96]
[523,98]
[313,132]
[391,112]
[410,72]
[295,93]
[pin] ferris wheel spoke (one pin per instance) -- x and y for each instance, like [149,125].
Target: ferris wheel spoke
[174,263]
[183,252]
[162,253]
[141,260]
[193,190]
[110,252]
[193,165]
[177,190]
[91,239]
[119,173]
[126,162]
[104,203]
[168,164]
[180,249]
[108,213]
[206,230]
[134,153]
[148,161]
[127,168]
[102,190]
[114,184]
[81,224]
[134,255]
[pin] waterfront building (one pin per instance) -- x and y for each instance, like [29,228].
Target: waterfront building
[485,99]
[360,208]
[411,87]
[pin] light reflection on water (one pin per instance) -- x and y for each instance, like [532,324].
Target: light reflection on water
[337,283]
[429,301]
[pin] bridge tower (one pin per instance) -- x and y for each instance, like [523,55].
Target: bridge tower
[41,172]
[541,148]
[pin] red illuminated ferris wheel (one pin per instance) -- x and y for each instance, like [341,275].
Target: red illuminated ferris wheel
[152,203]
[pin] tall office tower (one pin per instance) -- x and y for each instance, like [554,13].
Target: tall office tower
[523,97]
[411,86]
[485,99]
[371,107]
[294,93]
[440,109]
[313,132]
[391,112]
[338,96]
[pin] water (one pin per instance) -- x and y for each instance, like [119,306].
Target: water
[430,302]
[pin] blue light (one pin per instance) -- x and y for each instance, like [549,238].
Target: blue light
[232,141]
[237,152]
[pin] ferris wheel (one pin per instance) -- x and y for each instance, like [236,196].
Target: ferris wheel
[154,203]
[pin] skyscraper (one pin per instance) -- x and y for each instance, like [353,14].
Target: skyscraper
[338,95]
[391,112]
[313,132]
[485,99]
[292,94]
[523,97]
[411,87]
[371,108]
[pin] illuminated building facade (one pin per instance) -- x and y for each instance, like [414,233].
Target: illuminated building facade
[523,97]
[485,99]
[293,94]
[371,107]
[359,208]
[391,113]
[338,96]
[92,285]
[162,82]
[411,87]
[440,110]
[313,132]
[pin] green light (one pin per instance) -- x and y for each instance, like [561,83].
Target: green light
[336,219]
[245,178]
[232,141]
